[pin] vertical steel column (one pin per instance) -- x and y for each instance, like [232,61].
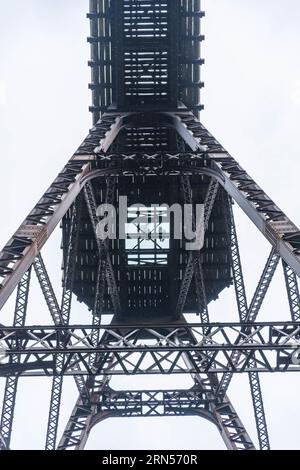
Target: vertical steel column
[241,298]
[232,430]
[194,265]
[110,275]
[57,382]
[255,306]
[101,275]
[11,385]
[79,425]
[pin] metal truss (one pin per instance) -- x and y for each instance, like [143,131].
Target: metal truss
[58,320]
[272,345]
[111,40]
[156,403]
[21,250]
[230,425]
[194,265]
[10,392]
[76,432]
[264,213]
[145,403]
[77,428]
[57,383]
[224,417]
[48,291]
[102,247]
[146,57]
[259,411]
[238,277]
[3,444]
[254,309]
[242,305]
[79,425]
[283,361]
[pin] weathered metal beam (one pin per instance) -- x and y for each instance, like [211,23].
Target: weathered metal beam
[255,306]
[102,247]
[194,261]
[65,310]
[272,345]
[10,391]
[244,313]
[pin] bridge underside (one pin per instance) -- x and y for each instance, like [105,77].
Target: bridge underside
[145,65]
[147,145]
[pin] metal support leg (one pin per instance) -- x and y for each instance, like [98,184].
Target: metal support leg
[79,425]
[241,298]
[194,265]
[57,383]
[92,208]
[231,428]
[11,385]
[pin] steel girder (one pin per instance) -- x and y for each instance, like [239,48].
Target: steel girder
[57,383]
[230,425]
[113,404]
[264,213]
[194,265]
[203,162]
[254,309]
[173,41]
[154,403]
[56,312]
[259,410]
[221,413]
[238,278]
[242,305]
[99,352]
[20,251]
[10,391]
[272,345]
[24,246]
[76,431]
[102,247]
[79,425]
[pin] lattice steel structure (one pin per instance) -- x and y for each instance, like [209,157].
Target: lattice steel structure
[148,144]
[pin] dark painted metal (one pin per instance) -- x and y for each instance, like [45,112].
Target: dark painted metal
[148,144]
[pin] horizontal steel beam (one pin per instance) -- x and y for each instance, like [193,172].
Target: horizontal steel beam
[152,402]
[152,349]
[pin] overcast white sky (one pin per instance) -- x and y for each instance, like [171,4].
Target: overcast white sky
[252,105]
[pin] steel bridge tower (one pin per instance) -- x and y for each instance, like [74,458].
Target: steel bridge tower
[147,144]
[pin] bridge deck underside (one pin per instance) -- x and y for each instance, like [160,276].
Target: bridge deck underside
[146,59]
[145,53]
[149,273]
